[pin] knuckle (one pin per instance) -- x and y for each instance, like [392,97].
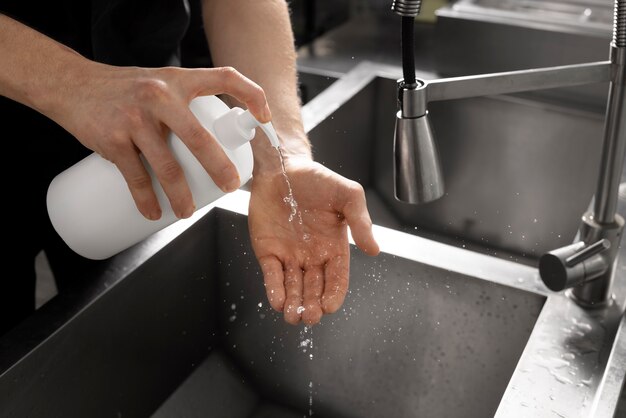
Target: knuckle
[290,280]
[356,190]
[139,182]
[254,93]
[259,93]
[196,138]
[117,145]
[135,117]
[151,89]
[229,75]
[171,171]
[229,72]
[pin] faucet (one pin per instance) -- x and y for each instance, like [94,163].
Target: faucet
[585,267]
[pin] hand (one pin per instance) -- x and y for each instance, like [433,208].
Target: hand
[121,113]
[307,265]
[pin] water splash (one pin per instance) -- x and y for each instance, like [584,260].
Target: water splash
[233,317]
[311,398]
[561,379]
[306,343]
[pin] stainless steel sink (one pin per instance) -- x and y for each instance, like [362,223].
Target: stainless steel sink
[179,324]
[412,338]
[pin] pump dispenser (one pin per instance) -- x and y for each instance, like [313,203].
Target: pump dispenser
[93,211]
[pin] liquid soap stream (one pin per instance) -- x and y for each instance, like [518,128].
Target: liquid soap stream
[289,199]
[305,342]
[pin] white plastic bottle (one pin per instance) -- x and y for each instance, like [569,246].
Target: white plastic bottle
[93,211]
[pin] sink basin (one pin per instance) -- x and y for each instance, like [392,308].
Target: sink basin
[411,338]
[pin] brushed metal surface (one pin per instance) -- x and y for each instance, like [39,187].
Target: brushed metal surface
[518,173]
[411,340]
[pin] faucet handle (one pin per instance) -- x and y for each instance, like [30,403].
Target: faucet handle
[587,252]
[572,265]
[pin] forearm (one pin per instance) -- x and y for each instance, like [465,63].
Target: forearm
[256,38]
[35,70]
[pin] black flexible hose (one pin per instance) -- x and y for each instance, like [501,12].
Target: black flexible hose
[408,54]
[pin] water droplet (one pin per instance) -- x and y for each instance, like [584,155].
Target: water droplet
[561,379]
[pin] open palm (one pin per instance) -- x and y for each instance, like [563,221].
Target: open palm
[305,257]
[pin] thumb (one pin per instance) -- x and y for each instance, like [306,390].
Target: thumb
[355,211]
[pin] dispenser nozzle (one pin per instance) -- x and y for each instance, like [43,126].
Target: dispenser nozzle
[269,130]
[247,121]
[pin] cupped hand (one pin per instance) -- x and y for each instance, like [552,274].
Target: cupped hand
[122,113]
[305,259]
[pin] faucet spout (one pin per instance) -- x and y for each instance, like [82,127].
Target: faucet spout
[418,177]
[417,172]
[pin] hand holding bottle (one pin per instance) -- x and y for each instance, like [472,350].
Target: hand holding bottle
[125,113]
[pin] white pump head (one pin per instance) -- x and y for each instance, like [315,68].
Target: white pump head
[236,127]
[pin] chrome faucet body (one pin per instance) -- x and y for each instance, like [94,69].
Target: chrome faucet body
[587,266]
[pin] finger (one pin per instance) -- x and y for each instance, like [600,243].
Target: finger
[232,82]
[337,273]
[203,146]
[354,209]
[139,183]
[167,170]
[293,291]
[274,281]
[313,287]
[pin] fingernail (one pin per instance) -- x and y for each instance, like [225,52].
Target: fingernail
[155,215]
[232,185]
[267,113]
[189,211]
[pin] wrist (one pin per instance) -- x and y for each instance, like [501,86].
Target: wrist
[267,159]
[72,74]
